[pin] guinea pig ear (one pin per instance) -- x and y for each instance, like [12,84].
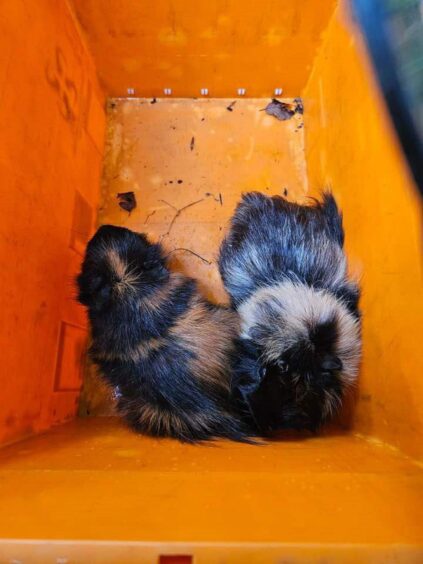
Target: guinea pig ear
[331,363]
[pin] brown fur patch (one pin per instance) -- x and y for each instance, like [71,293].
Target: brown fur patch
[158,421]
[296,308]
[142,350]
[146,347]
[209,336]
[150,303]
[116,263]
[126,278]
[155,301]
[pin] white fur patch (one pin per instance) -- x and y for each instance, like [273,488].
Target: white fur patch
[288,311]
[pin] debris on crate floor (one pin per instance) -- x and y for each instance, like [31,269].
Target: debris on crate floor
[148,216]
[284,110]
[127,201]
[215,198]
[191,252]
[177,213]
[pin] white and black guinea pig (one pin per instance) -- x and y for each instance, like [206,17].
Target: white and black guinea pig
[164,349]
[284,268]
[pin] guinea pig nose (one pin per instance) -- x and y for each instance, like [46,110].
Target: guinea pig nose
[331,363]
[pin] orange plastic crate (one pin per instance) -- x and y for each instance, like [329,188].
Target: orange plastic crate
[86,489]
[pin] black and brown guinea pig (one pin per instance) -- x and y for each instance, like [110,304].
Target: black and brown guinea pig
[285,270]
[165,350]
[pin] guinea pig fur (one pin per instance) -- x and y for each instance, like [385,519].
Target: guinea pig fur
[164,349]
[285,270]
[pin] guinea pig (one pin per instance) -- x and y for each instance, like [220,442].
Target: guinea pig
[285,270]
[166,351]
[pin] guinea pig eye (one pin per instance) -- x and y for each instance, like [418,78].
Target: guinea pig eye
[262,372]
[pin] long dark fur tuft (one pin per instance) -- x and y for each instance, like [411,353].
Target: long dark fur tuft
[165,350]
